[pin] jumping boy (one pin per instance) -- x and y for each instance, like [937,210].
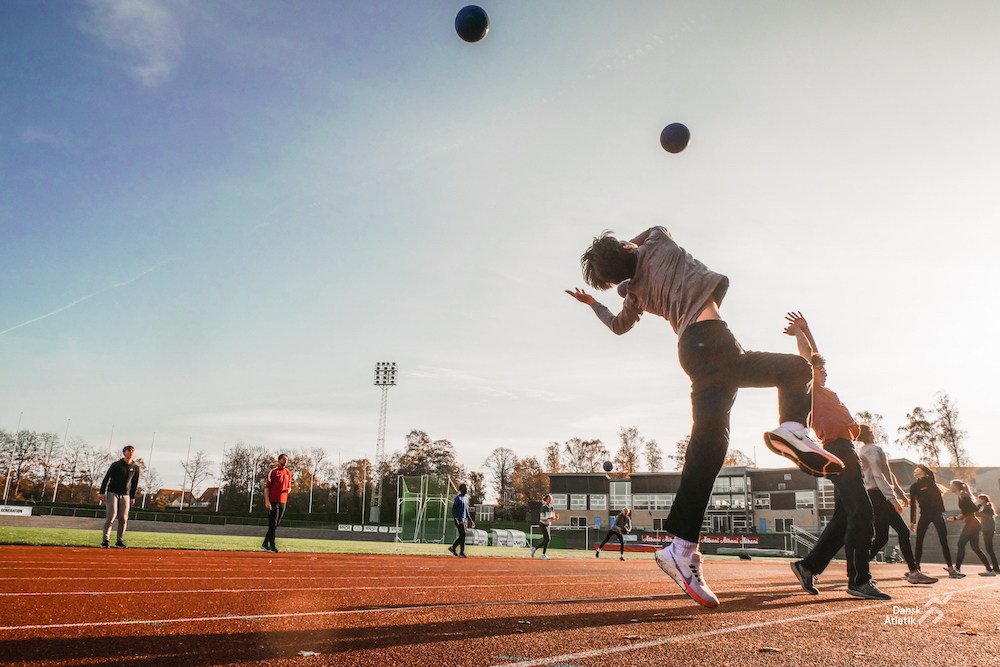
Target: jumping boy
[664,279]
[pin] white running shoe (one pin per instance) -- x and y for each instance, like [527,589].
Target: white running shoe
[533,551]
[545,557]
[792,441]
[686,571]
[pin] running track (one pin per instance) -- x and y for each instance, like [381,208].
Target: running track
[78,606]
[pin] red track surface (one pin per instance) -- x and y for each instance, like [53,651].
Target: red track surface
[73,606]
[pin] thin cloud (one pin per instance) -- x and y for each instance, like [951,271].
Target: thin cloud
[32,135]
[145,32]
[84,298]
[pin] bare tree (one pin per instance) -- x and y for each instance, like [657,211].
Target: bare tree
[553,460]
[680,452]
[918,434]
[500,464]
[653,455]
[627,457]
[948,431]
[197,471]
[737,459]
[585,455]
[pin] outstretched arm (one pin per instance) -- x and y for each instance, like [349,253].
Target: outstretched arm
[798,327]
[620,323]
[582,296]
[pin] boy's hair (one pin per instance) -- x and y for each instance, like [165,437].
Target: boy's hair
[866,435]
[606,262]
[127,447]
[818,361]
[957,483]
[462,488]
[282,455]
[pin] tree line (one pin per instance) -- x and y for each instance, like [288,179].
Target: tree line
[42,468]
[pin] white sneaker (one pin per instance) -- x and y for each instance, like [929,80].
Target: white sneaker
[545,557]
[686,571]
[792,441]
[533,551]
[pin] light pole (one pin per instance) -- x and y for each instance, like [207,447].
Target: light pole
[149,467]
[385,377]
[187,462]
[62,455]
[10,466]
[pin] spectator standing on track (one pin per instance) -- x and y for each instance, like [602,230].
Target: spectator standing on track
[460,513]
[664,279]
[118,494]
[622,525]
[276,488]
[545,518]
[986,516]
[888,500]
[970,531]
[850,526]
[926,493]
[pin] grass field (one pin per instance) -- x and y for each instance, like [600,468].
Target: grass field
[91,538]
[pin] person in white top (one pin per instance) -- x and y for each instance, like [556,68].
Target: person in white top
[545,519]
[888,500]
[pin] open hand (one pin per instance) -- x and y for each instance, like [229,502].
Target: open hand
[581,296]
[795,323]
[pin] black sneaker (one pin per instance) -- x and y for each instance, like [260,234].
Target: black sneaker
[621,558]
[868,591]
[452,550]
[273,549]
[265,547]
[104,544]
[461,555]
[120,545]
[805,577]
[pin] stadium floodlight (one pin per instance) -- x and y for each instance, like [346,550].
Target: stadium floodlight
[385,377]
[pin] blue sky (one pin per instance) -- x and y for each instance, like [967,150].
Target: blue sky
[218,216]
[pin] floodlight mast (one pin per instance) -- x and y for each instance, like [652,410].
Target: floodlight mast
[385,377]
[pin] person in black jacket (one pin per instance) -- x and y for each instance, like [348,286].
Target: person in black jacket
[119,487]
[926,494]
[970,531]
[622,525]
[986,515]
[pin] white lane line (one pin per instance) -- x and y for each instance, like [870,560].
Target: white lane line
[334,612]
[595,653]
[320,589]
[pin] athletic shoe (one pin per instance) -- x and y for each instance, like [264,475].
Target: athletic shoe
[452,550]
[621,558]
[953,573]
[461,555]
[545,557]
[918,577]
[988,573]
[597,553]
[686,571]
[265,547]
[792,441]
[868,591]
[805,577]
[105,544]
[120,545]
[274,549]
[533,551]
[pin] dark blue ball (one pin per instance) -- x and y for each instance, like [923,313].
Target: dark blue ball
[472,23]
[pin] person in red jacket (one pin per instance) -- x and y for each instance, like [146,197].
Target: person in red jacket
[279,482]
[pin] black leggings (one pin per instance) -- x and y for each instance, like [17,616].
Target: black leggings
[942,533]
[608,537]
[546,536]
[459,542]
[970,536]
[886,516]
[989,528]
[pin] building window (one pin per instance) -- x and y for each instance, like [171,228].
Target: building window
[721,502]
[663,501]
[825,494]
[620,495]
[788,476]
[642,501]
[578,501]
[721,485]
[804,500]
[484,512]
[783,525]
[781,486]
[558,501]
[739,502]
[598,501]
[736,485]
[762,501]
[578,521]
[659,524]
[823,521]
